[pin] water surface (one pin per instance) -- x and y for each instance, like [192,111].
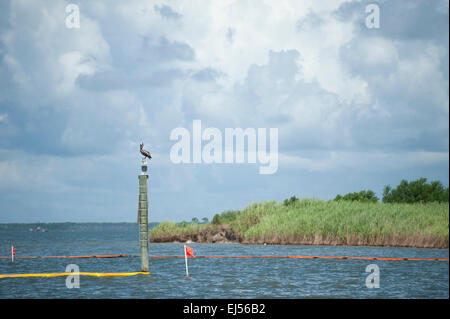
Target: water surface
[210,277]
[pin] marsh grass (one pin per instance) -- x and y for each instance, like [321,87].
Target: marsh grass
[345,222]
[312,221]
[168,228]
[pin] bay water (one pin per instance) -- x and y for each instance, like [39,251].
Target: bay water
[221,278]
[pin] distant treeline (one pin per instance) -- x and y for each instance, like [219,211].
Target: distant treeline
[418,191]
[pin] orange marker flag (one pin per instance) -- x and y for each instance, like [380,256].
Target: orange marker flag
[189,251]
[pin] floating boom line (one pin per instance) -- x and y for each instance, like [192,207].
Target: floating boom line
[58,274]
[287,257]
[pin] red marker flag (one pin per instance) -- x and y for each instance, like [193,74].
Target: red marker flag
[13,253]
[189,251]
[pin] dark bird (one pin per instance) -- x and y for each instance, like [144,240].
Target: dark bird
[145,152]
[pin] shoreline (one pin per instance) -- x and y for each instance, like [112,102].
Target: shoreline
[293,244]
[299,244]
[227,236]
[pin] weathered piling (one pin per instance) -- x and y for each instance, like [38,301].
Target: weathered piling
[143,216]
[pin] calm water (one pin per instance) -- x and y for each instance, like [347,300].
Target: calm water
[210,277]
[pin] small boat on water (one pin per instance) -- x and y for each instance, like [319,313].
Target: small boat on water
[38,229]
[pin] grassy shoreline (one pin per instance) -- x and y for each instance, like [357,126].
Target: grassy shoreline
[317,222]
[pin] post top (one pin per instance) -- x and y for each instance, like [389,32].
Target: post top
[144,170]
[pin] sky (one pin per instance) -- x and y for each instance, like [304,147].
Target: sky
[356,107]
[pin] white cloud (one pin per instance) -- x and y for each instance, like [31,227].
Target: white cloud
[19,76]
[39,45]
[130,73]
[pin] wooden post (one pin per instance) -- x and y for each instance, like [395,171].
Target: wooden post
[143,217]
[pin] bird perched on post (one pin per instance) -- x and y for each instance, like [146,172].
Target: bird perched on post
[145,152]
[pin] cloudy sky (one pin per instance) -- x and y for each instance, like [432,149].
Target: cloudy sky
[355,107]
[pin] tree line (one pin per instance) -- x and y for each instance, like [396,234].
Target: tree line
[418,191]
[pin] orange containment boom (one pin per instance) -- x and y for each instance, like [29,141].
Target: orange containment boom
[87,256]
[294,257]
[312,257]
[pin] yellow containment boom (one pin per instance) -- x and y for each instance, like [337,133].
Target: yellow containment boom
[95,274]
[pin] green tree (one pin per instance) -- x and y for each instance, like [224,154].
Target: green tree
[362,196]
[225,217]
[216,219]
[291,201]
[418,191]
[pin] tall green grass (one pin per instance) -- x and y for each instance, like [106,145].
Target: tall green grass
[170,228]
[342,219]
[334,222]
